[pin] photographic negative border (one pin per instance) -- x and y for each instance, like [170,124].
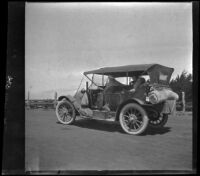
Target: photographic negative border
[14,117]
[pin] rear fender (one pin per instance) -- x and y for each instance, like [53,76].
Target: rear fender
[133,100]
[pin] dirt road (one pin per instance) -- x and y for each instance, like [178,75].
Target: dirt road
[100,145]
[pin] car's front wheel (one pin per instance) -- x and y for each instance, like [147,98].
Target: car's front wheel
[133,119]
[65,112]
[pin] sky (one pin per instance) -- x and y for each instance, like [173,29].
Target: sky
[62,40]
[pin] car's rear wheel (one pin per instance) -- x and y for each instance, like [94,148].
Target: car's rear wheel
[133,119]
[158,122]
[65,112]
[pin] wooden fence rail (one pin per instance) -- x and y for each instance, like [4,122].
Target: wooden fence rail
[51,103]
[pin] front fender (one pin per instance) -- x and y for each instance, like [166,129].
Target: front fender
[71,99]
[77,106]
[67,97]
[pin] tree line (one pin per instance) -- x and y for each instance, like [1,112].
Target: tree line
[183,83]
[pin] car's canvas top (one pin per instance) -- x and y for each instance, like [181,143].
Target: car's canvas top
[129,70]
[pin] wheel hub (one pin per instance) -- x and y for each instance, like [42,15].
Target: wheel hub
[132,118]
[65,111]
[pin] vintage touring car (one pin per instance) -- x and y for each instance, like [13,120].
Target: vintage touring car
[137,96]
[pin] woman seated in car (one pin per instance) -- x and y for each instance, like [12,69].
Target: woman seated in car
[137,84]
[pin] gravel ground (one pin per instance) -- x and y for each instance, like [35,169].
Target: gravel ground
[101,145]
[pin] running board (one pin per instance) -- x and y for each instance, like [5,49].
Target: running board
[102,115]
[110,120]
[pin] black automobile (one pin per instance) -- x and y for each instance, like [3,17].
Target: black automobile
[137,96]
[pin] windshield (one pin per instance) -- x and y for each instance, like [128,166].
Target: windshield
[97,80]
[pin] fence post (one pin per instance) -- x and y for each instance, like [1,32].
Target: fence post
[28,100]
[55,99]
[183,101]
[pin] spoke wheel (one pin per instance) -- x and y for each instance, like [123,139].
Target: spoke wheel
[158,122]
[133,119]
[65,112]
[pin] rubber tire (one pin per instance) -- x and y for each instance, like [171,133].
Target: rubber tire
[160,125]
[144,116]
[64,101]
